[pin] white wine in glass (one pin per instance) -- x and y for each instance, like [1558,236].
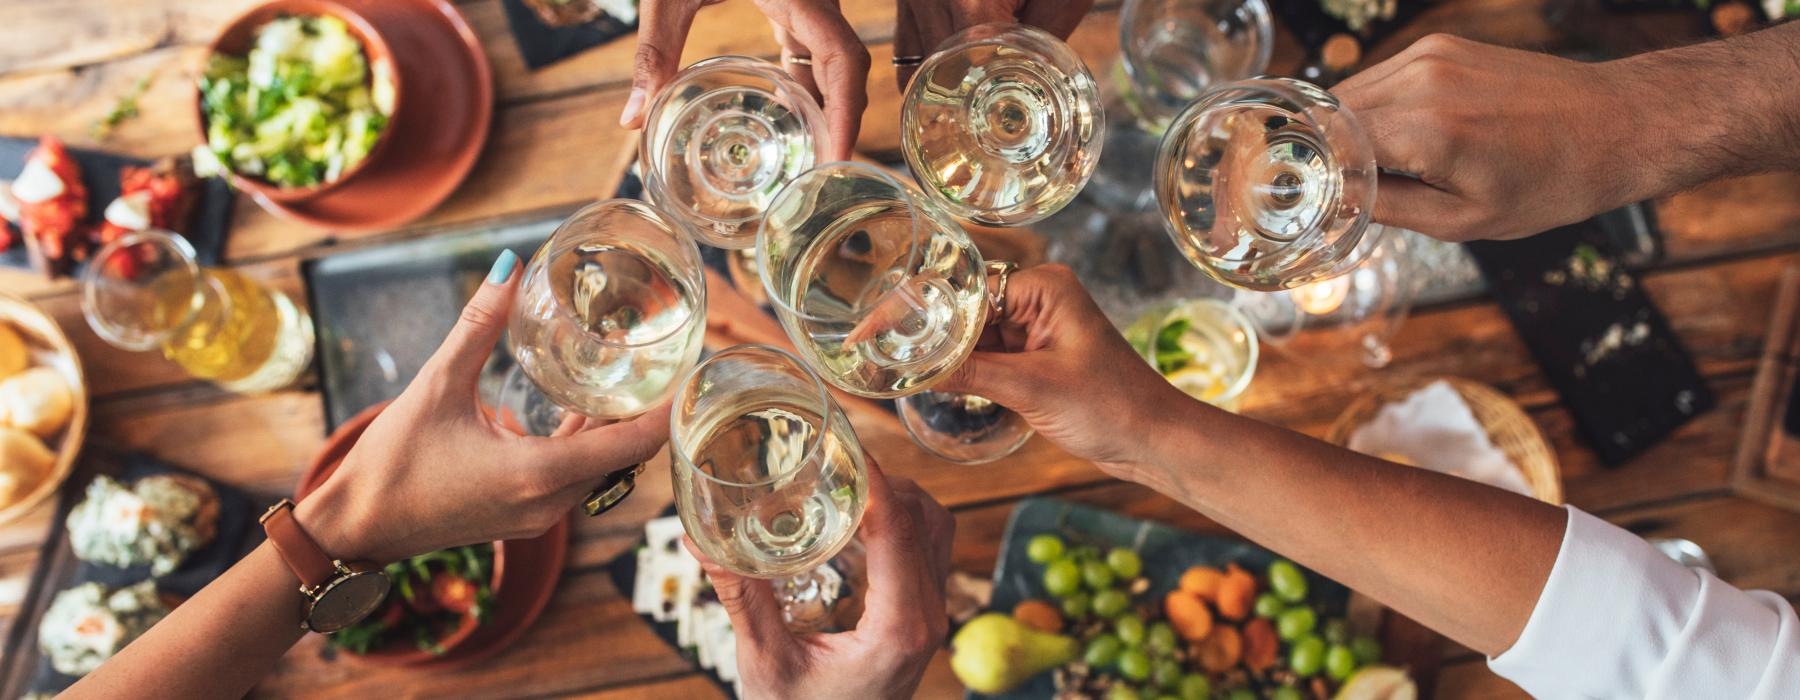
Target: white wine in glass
[1268,184]
[882,293]
[722,138]
[769,476]
[1003,124]
[1171,51]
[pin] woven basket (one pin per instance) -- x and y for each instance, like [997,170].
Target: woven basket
[1506,424]
[49,343]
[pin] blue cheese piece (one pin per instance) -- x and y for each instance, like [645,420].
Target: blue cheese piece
[86,625]
[157,522]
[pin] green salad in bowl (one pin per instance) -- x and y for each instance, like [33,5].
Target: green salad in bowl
[302,109]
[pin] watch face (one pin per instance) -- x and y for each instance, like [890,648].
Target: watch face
[348,600]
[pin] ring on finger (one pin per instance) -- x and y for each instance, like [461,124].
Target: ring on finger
[908,60]
[797,60]
[613,491]
[1000,271]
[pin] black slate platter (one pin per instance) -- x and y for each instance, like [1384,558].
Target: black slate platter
[541,44]
[623,572]
[208,223]
[26,670]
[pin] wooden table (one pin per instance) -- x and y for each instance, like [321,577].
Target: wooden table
[554,146]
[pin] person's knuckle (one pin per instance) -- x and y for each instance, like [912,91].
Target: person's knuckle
[483,314]
[1438,43]
[649,59]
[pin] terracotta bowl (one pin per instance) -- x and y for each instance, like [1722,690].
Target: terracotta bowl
[239,35]
[322,467]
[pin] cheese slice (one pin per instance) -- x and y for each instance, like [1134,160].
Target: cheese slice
[37,183]
[130,212]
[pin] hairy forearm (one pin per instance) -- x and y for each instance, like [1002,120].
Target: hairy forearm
[1462,558]
[1711,110]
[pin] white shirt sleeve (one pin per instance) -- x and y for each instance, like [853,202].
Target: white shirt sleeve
[1619,619]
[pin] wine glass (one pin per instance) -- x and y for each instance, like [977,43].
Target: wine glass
[609,313]
[880,290]
[1268,184]
[722,138]
[1366,305]
[962,428]
[769,477]
[1171,51]
[1003,124]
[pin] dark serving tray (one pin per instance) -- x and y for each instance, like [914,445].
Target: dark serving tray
[207,224]
[25,669]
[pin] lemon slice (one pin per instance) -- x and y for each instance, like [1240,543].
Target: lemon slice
[1200,381]
[1378,683]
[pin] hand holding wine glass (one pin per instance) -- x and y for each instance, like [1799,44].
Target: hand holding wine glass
[908,537]
[921,25]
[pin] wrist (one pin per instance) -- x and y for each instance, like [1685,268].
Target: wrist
[338,523]
[1175,440]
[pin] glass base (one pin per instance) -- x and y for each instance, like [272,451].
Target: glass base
[962,428]
[829,597]
[525,409]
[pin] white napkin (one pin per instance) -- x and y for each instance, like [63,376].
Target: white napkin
[1433,428]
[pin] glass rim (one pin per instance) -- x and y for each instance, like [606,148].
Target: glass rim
[1247,326]
[92,275]
[828,409]
[916,210]
[788,91]
[684,240]
[1265,33]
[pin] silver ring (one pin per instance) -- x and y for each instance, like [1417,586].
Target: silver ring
[797,60]
[1001,270]
[908,60]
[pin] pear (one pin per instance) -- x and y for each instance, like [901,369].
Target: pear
[1378,683]
[994,653]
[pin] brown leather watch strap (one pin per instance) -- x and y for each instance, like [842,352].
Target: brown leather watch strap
[302,554]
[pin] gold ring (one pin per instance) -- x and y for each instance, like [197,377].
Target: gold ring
[613,491]
[797,60]
[908,60]
[1000,270]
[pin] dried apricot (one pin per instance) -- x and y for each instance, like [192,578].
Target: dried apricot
[1038,614]
[1221,650]
[1202,581]
[1188,615]
[1237,593]
[1261,646]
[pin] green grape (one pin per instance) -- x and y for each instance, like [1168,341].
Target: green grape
[1062,578]
[1102,650]
[1195,687]
[1130,629]
[1295,623]
[1337,631]
[1075,606]
[1044,548]
[1134,665]
[1124,562]
[1097,575]
[1085,553]
[1339,662]
[1308,656]
[1167,697]
[1242,694]
[1110,603]
[1160,639]
[1120,691]
[1268,605]
[1286,692]
[1287,581]
[1366,649]
[1166,674]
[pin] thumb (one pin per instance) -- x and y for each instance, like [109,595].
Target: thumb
[1003,377]
[581,459]
[662,31]
[749,602]
[458,361]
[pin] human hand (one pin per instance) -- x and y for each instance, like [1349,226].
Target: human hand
[921,25]
[818,48]
[1065,369]
[907,536]
[1504,143]
[434,470]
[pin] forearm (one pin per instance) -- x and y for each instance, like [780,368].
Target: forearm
[217,644]
[1697,113]
[1460,557]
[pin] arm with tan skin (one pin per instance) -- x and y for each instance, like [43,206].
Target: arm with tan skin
[1420,542]
[433,471]
[1507,143]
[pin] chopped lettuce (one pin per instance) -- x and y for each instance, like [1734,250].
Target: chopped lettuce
[301,109]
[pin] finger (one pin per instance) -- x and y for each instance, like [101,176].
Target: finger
[1003,377]
[1058,17]
[750,603]
[457,364]
[1402,142]
[1410,204]
[935,21]
[938,525]
[580,460]
[896,558]
[662,31]
[906,43]
[841,66]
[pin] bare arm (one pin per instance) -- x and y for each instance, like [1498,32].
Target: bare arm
[1507,143]
[1459,557]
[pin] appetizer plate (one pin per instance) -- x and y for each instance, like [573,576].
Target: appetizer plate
[49,348]
[525,571]
[448,92]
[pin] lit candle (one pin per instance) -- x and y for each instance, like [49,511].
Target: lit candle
[1322,297]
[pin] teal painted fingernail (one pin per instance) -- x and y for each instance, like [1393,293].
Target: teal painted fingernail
[503,267]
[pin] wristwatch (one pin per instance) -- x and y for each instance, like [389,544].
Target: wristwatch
[337,593]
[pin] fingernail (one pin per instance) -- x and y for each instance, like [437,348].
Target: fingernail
[503,267]
[632,105]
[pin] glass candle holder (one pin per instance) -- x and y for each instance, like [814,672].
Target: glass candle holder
[769,477]
[1003,124]
[1268,184]
[146,291]
[722,138]
[1204,347]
